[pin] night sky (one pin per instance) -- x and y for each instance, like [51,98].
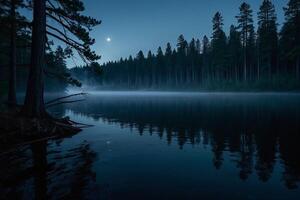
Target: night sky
[135,25]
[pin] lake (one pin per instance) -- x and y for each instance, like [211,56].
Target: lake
[156,145]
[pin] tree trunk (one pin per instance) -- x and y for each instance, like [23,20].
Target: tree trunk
[258,66]
[270,71]
[258,71]
[245,65]
[34,100]
[298,67]
[12,100]
[236,73]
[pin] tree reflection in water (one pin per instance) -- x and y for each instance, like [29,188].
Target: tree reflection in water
[257,130]
[258,134]
[47,170]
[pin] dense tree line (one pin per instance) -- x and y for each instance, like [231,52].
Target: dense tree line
[264,58]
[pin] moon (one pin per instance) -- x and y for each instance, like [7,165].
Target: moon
[108,39]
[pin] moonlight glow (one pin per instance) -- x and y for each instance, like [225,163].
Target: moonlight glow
[108,39]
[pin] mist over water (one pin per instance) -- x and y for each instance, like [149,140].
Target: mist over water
[146,92]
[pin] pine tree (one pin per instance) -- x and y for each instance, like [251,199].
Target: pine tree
[168,52]
[267,40]
[68,14]
[234,53]
[168,63]
[56,71]
[192,48]
[12,99]
[149,55]
[160,53]
[140,56]
[198,46]
[182,45]
[160,66]
[150,71]
[289,36]
[34,101]
[206,58]
[251,55]
[12,20]
[206,45]
[218,45]
[246,28]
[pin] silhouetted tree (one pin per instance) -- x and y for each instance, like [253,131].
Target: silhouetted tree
[12,99]
[206,60]
[34,101]
[68,15]
[245,26]
[234,54]
[289,37]
[218,46]
[182,45]
[267,39]
[14,22]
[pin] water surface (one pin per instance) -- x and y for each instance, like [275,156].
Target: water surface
[165,146]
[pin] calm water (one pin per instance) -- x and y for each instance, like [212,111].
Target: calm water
[165,146]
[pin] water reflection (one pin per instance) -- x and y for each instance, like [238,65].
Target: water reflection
[214,146]
[257,130]
[47,170]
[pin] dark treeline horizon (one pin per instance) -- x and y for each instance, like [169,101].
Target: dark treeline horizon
[265,58]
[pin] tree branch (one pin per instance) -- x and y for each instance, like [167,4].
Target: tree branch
[78,48]
[64,35]
[65,97]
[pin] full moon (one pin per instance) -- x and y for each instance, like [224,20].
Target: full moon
[108,39]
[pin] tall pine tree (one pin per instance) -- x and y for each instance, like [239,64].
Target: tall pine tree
[289,37]
[69,20]
[218,44]
[267,40]
[246,28]
[234,54]
[12,20]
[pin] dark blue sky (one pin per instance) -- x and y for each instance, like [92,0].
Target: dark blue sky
[135,25]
